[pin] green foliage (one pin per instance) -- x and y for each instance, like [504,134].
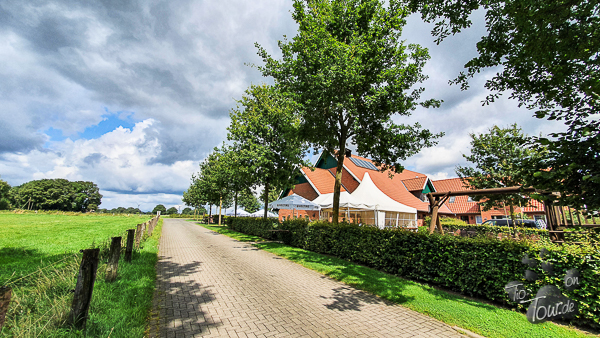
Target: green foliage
[248,201]
[56,194]
[547,53]
[187,211]
[499,158]
[161,208]
[172,211]
[4,197]
[253,226]
[477,266]
[350,72]
[267,143]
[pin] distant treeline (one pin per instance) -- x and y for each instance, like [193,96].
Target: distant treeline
[51,194]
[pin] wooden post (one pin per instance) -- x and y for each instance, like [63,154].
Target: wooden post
[129,247]
[571,215]
[564,216]
[5,293]
[578,216]
[84,288]
[138,236]
[113,260]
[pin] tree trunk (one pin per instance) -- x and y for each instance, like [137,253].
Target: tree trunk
[338,185]
[512,217]
[235,205]
[209,213]
[266,192]
[220,207]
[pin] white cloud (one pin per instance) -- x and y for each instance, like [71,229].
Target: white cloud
[119,161]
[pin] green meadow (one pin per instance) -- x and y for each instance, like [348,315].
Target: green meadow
[39,260]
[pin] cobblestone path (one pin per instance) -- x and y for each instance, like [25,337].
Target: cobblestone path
[210,285]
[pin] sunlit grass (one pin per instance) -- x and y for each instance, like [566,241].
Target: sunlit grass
[39,259]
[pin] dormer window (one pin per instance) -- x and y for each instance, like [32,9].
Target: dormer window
[452,198]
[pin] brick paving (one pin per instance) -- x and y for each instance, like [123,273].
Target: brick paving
[210,285]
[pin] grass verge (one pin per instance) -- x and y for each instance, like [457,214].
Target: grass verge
[39,260]
[454,310]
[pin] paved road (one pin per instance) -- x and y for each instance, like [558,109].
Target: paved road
[213,286]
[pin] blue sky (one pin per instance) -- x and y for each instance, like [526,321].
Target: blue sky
[133,95]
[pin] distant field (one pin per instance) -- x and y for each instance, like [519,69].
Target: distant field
[39,259]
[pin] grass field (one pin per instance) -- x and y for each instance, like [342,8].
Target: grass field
[39,259]
[455,310]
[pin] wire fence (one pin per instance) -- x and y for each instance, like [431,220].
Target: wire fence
[42,300]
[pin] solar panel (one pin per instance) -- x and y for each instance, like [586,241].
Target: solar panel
[363,164]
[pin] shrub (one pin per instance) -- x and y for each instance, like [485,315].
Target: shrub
[478,266]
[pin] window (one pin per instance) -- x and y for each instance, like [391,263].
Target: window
[452,198]
[283,218]
[478,219]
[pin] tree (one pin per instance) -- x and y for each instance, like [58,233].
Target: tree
[86,196]
[211,181]
[350,73]
[57,194]
[172,211]
[187,211]
[4,196]
[161,208]
[264,128]
[236,174]
[249,201]
[548,57]
[499,157]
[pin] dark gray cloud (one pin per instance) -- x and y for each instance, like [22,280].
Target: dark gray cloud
[177,66]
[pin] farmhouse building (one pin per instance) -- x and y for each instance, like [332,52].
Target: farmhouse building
[408,188]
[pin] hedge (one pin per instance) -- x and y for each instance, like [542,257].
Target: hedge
[478,266]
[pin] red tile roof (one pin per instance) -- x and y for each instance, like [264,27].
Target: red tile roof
[414,184]
[461,204]
[322,179]
[394,188]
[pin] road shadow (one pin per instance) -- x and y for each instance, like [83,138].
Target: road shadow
[347,298]
[177,306]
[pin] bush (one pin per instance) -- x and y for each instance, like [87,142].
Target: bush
[479,266]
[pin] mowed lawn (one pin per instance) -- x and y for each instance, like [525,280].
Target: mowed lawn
[39,260]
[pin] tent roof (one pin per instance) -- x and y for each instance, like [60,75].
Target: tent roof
[261,213]
[240,212]
[367,191]
[294,202]
[346,201]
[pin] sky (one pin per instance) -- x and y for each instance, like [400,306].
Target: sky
[133,95]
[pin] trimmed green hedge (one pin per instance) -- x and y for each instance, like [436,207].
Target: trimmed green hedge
[477,266]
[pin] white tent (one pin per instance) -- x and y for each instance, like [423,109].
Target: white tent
[369,205]
[368,191]
[346,201]
[261,213]
[294,202]
[240,212]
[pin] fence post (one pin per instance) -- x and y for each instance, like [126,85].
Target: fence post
[84,288]
[138,236]
[129,248]
[113,260]
[5,293]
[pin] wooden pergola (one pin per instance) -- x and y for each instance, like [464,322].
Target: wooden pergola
[555,215]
